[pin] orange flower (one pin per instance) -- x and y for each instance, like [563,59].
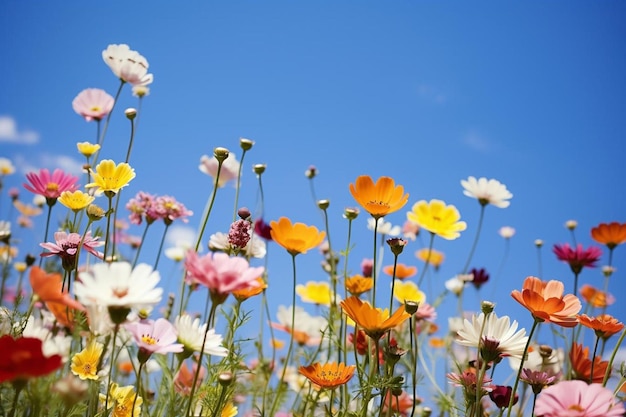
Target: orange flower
[402,271]
[581,364]
[432,257]
[296,238]
[373,322]
[358,284]
[378,199]
[597,298]
[245,293]
[48,288]
[546,302]
[330,375]
[436,342]
[604,325]
[609,234]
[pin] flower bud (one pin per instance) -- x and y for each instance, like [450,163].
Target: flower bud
[311,172]
[397,245]
[259,168]
[351,213]
[411,307]
[246,144]
[220,153]
[130,113]
[225,379]
[571,224]
[538,243]
[95,212]
[487,307]
[323,204]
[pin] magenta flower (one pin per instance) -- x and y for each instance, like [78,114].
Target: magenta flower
[577,258]
[263,229]
[239,233]
[93,104]
[142,205]
[168,209]
[220,273]
[50,186]
[577,399]
[154,337]
[66,247]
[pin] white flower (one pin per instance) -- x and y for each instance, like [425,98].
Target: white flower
[191,334]
[536,362]
[127,65]
[498,335]
[176,254]
[39,200]
[52,344]
[255,247]
[228,172]
[117,284]
[5,230]
[312,326]
[487,191]
[6,167]
[383,227]
[506,232]
[456,284]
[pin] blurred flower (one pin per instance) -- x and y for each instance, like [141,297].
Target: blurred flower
[191,334]
[239,234]
[306,329]
[501,396]
[581,364]
[85,363]
[408,291]
[383,227]
[546,302]
[467,380]
[87,149]
[70,389]
[571,224]
[438,218]
[154,336]
[248,292]
[26,209]
[410,230]
[358,284]
[378,199]
[6,167]
[93,104]
[50,186]
[596,297]
[5,231]
[425,312]
[329,375]
[506,232]
[75,200]
[48,288]
[168,209]
[402,271]
[295,238]
[495,337]
[121,400]
[66,247]
[577,398]
[127,65]
[487,191]
[577,258]
[23,359]
[315,292]
[538,380]
[455,285]
[110,177]
[480,276]
[183,380]
[228,172]
[430,256]
[262,229]
[604,325]
[141,91]
[140,207]
[54,343]
[609,234]
[366,267]
[373,322]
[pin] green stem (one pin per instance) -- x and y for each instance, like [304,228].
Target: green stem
[45,238]
[610,364]
[243,154]
[593,359]
[132,410]
[109,195]
[374,262]
[156,263]
[143,239]
[106,124]
[430,248]
[130,142]
[521,366]
[475,244]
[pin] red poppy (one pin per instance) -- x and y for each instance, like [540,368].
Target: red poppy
[23,358]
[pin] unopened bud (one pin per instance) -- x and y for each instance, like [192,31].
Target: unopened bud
[487,307]
[225,379]
[246,144]
[220,154]
[411,307]
[571,224]
[397,245]
[351,213]
[259,168]
[130,113]
[95,212]
[244,213]
[545,351]
[323,204]
[311,172]
[538,243]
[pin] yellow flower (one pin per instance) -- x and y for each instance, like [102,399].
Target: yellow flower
[408,291]
[432,257]
[111,177]
[229,410]
[438,218]
[378,199]
[87,149]
[85,363]
[20,266]
[296,238]
[121,400]
[315,292]
[75,200]
[373,322]
[358,284]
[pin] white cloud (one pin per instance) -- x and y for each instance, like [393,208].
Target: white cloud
[477,141]
[10,133]
[432,94]
[49,161]
[179,235]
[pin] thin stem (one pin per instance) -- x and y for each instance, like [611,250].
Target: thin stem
[610,364]
[109,195]
[132,138]
[237,186]
[413,364]
[576,283]
[112,359]
[143,239]
[430,249]
[106,124]
[521,366]
[132,410]
[593,358]
[45,238]
[374,262]
[475,244]
[156,263]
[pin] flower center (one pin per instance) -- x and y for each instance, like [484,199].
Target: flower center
[96,109]
[52,186]
[576,407]
[146,338]
[120,292]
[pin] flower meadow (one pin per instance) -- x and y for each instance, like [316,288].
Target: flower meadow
[87,328]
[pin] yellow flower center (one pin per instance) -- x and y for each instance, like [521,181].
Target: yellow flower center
[52,186]
[146,338]
[96,108]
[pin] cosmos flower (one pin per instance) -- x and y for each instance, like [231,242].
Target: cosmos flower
[262,229]
[487,191]
[169,209]
[408,291]
[467,380]
[228,172]
[577,398]
[402,271]
[604,325]
[127,65]
[48,288]
[538,380]
[329,375]
[581,364]
[75,200]
[358,284]
[87,149]
[93,104]
[501,396]
[430,256]
[577,258]
[495,337]
[191,334]
[66,247]
[506,232]
[546,301]
[378,199]
[23,358]
[596,297]
[109,177]
[154,336]
[438,218]
[383,227]
[315,292]
[49,185]
[609,234]
[372,321]
[296,238]
[140,207]
[85,363]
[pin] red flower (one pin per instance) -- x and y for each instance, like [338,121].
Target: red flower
[577,258]
[23,358]
[501,396]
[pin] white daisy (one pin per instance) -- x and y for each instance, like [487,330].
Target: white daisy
[383,227]
[487,191]
[499,337]
[191,334]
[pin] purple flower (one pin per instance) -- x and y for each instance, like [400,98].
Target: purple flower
[480,277]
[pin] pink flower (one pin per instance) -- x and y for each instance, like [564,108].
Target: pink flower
[220,273]
[263,229]
[93,104]
[577,399]
[239,233]
[154,337]
[577,258]
[168,209]
[228,172]
[50,186]
[140,206]
[66,247]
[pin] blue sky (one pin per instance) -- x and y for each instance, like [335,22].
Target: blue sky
[530,93]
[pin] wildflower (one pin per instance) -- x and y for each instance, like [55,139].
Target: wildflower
[229,410]
[468,380]
[228,172]
[66,247]
[438,218]
[23,358]
[373,322]
[255,248]
[311,172]
[329,375]
[431,257]
[576,398]
[400,405]
[6,167]
[239,234]
[50,186]
[480,276]
[546,301]
[127,65]
[5,231]
[410,230]
[142,206]
[604,325]
[367,266]
[140,91]
[379,199]
[402,271]
[408,291]
[262,229]
[93,104]
[85,363]
[315,292]
[383,227]
[501,396]
[121,400]
[306,329]
[248,292]
[571,224]
[596,297]
[538,380]
[296,238]
[183,380]
[48,288]
[70,389]
[487,191]
[75,200]
[609,234]
[456,285]
[154,336]
[495,337]
[110,177]
[506,232]
[579,257]
[191,335]
[168,209]
[581,364]
[358,284]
